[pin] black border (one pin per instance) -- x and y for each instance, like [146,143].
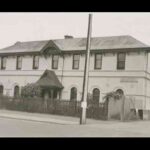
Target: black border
[75,6]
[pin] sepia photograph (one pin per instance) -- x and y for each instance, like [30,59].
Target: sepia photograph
[74,74]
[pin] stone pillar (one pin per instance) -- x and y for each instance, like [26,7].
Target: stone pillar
[52,101]
[46,97]
[146,114]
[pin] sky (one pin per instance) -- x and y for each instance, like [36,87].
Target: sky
[45,26]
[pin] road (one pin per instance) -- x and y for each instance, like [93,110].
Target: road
[22,128]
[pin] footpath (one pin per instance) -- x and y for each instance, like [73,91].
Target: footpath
[48,118]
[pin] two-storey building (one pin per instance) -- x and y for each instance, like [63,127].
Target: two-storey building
[117,62]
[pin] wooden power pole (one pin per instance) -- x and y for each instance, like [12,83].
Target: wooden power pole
[86,73]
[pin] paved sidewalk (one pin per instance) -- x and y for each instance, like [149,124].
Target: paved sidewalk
[48,118]
[51,118]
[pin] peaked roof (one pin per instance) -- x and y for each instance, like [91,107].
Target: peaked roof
[112,42]
[49,79]
[31,46]
[73,44]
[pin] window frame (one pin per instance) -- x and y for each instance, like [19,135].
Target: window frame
[54,61]
[122,61]
[2,62]
[73,94]
[16,95]
[96,95]
[17,63]
[34,62]
[73,62]
[95,61]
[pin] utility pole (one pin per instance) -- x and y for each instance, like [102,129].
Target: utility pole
[86,73]
[122,107]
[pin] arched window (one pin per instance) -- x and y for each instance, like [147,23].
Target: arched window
[96,95]
[1,90]
[16,91]
[73,94]
[120,92]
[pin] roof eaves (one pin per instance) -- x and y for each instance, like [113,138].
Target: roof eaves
[18,53]
[107,50]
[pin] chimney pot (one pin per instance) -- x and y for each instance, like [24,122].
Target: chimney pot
[18,42]
[68,37]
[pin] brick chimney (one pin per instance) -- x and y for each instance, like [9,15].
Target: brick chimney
[68,37]
[17,43]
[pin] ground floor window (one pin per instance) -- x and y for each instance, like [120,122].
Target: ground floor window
[16,91]
[96,95]
[73,94]
[120,92]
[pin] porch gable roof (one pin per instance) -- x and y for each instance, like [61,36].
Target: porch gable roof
[49,80]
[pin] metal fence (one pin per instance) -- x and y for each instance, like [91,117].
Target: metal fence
[58,107]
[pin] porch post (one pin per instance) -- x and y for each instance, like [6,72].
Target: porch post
[52,94]
[46,97]
[59,94]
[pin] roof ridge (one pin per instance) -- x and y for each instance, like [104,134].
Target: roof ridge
[32,41]
[105,42]
[74,38]
[93,37]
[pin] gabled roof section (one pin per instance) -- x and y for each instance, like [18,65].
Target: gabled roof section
[75,44]
[50,47]
[49,80]
[21,47]
[98,43]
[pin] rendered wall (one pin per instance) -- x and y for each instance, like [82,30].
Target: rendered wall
[131,80]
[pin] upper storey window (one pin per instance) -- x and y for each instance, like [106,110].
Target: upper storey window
[3,63]
[121,61]
[19,63]
[35,62]
[98,61]
[55,61]
[76,60]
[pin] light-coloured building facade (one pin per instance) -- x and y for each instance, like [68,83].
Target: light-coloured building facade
[119,62]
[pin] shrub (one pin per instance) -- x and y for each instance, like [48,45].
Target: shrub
[115,95]
[31,90]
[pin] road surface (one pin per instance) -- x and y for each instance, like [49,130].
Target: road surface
[22,128]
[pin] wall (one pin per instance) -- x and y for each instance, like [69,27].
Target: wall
[131,80]
[134,61]
[115,108]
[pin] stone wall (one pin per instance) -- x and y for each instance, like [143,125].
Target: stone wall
[115,108]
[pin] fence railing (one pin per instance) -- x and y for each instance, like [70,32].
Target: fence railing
[58,107]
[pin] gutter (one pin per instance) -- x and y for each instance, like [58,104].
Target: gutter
[83,51]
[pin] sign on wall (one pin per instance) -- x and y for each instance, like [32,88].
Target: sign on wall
[128,80]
